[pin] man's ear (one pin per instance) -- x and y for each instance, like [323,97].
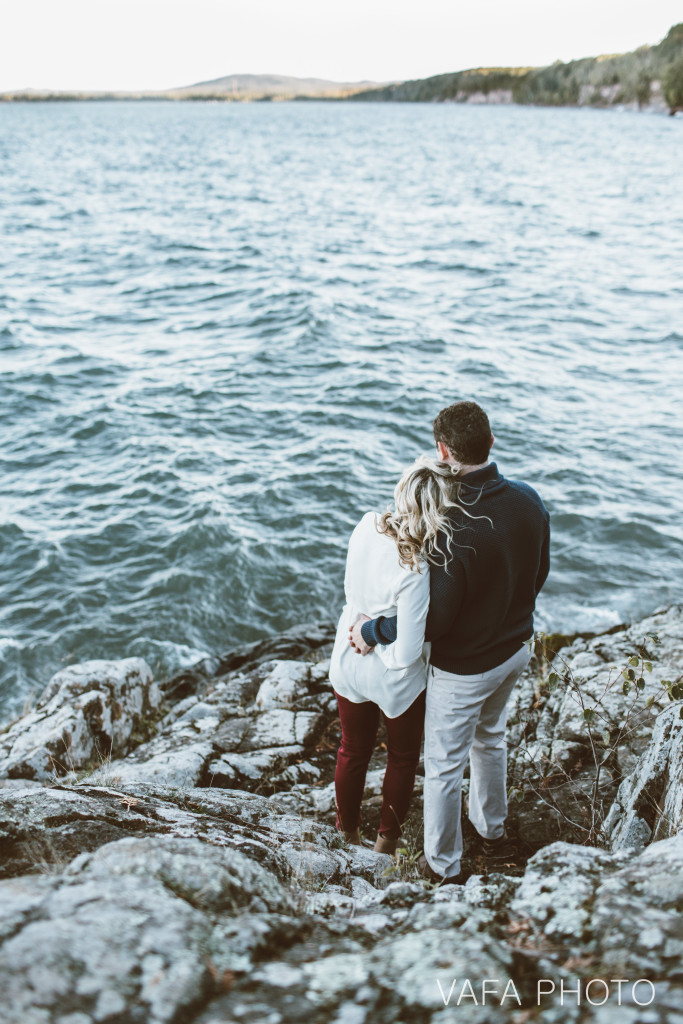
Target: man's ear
[444,453]
[492,440]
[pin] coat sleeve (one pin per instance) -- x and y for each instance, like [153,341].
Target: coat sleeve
[412,604]
[381,630]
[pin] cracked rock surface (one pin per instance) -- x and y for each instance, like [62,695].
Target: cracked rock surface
[193,875]
[87,712]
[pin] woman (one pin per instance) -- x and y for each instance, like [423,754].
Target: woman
[387,573]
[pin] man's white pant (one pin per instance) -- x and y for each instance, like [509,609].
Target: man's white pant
[465,716]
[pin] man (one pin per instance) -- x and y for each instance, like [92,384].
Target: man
[480,621]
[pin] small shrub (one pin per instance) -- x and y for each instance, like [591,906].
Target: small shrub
[602,736]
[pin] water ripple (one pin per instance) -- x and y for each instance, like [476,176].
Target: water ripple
[225,344]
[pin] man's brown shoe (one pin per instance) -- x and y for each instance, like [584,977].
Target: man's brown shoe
[428,872]
[500,849]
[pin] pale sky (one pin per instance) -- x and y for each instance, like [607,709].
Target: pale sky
[158,44]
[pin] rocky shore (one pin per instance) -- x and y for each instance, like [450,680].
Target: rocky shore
[168,851]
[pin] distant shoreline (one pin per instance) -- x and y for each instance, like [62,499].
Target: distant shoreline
[657,108]
[649,78]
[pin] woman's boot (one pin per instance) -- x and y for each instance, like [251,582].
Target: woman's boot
[383,845]
[353,838]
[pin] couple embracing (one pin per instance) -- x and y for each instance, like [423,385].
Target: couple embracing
[440,595]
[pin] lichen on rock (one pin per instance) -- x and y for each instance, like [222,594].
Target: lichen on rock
[194,873]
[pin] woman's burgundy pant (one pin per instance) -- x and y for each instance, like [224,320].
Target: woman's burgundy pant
[359,723]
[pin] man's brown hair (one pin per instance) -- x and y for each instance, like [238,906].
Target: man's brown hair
[465,430]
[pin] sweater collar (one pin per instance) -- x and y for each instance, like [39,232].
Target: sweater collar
[485,479]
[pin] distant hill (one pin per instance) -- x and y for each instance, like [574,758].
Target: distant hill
[650,77]
[249,87]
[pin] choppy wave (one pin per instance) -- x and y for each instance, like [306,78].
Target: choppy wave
[225,329]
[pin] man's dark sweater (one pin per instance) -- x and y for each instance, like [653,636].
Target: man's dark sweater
[482,602]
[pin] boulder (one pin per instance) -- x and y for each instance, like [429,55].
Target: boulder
[87,714]
[285,682]
[649,802]
[127,930]
[636,920]
[551,761]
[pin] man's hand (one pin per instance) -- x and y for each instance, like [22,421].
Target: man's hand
[356,637]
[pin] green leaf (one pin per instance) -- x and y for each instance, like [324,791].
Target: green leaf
[626,687]
[680,713]
[588,714]
[629,673]
[640,683]
[635,661]
[519,795]
[553,681]
[647,665]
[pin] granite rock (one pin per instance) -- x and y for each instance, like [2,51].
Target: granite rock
[195,876]
[649,801]
[87,714]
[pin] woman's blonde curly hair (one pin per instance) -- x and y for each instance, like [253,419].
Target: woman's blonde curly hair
[422,497]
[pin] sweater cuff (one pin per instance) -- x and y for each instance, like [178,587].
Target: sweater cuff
[370,631]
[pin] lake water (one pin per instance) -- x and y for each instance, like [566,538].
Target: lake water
[224,330]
